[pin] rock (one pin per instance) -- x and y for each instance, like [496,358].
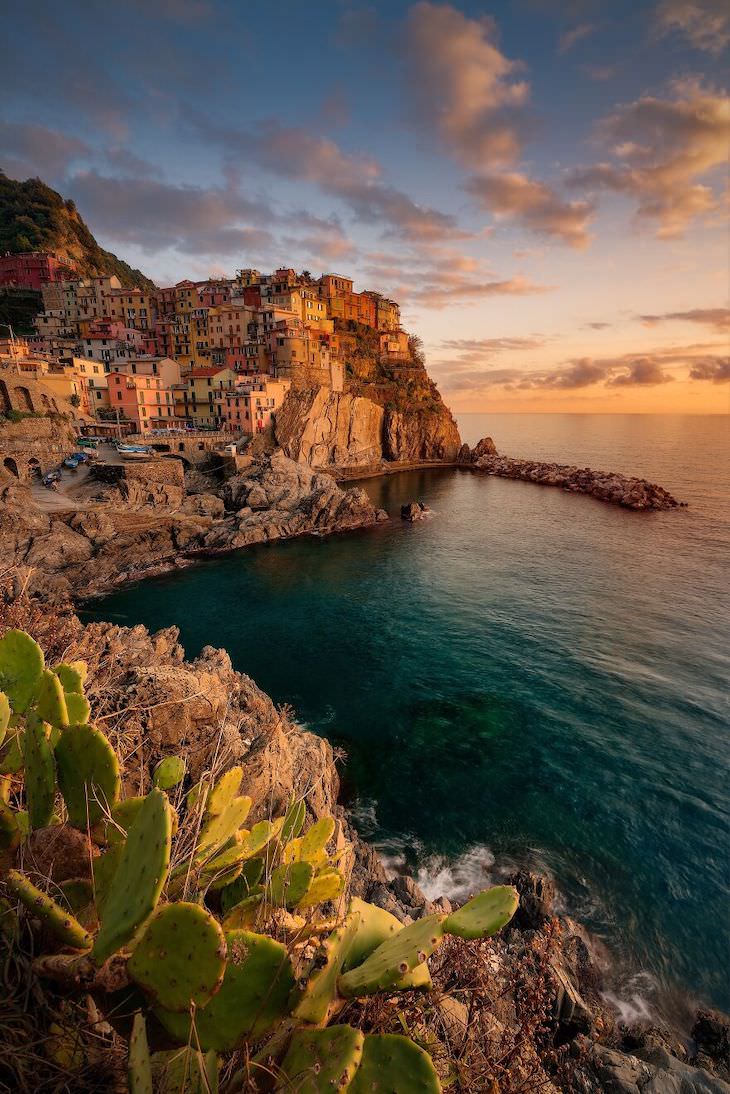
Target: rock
[414,510]
[60,853]
[196,482]
[711,1033]
[415,432]
[636,494]
[537,899]
[324,428]
[204,505]
[609,1071]
[485,447]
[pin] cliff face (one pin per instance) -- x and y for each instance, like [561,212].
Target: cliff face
[390,410]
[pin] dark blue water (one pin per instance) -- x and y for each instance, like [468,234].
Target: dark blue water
[528,676]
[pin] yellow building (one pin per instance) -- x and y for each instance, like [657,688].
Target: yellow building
[199,400]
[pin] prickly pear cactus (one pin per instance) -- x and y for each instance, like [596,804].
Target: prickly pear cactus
[139,1068]
[221,827]
[88,774]
[77,708]
[261,835]
[394,1065]
[66,928]
[5,713]
[319,991]
[251,873]
[51,701]
[375,927]
[21,667]
[185,1071]
[485,914]
[40,771]
[169,772]
[139,877]
[224,791]
[104,868]
[72,675]
[329,884]
[316,838]
[181,957]
[399,955]
[288,884]
[252,999]
[321,1060]
[294,819]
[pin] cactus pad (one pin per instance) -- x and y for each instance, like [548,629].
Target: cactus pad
[72,675]
[124,815]
[239,889]
[320,1060]
[66,929]
[224,791]
[288,884]
[78,708]
[394,958]
[485,914]
[51,702]
[139,877]
[319,992]
[88,774]
[294,820]
[139,1068]
[169,772]
[40,771]
[221,827]
[394,1065]
[10,831]
[5,713]
[329,884]
[244,914]
[376,926]
[251,1000]
[317,838]
[104,868]
[181,957]
[21,667]
[185,1071]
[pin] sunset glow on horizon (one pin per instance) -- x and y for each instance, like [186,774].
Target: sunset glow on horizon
[542,186]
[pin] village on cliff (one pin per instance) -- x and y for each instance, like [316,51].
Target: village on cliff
[211,355]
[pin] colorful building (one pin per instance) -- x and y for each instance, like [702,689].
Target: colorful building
[144,400]
[34,269]
[249,408]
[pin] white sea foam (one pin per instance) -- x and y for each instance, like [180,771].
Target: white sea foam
[459,878]
[633,999]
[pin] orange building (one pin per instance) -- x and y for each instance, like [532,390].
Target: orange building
[144,400]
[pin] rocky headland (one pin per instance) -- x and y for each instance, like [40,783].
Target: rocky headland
[630,492]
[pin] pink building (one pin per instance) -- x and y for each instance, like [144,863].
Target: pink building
[144,400]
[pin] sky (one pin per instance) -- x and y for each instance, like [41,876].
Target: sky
[541,184]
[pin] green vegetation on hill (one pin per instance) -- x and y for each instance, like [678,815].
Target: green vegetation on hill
[33,217]
[18,309]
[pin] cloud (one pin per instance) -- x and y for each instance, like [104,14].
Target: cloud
[599,326]
[34,150]
[642,372]
[719,318]
[463,87]
[489,346]
[705,23]
[600,72]
[716,369]
[662,147]
[153,215]
[575,35]
[533,204]
[296,154]
[129,163]
[467,292]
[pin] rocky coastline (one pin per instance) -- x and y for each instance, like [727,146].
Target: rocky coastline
[629,492]
[543,977]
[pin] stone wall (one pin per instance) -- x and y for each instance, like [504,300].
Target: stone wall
[195,447]
[168,472]
[21,391]
[34,445]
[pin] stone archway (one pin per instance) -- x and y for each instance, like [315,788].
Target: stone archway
[10,465]
[5,403]
[34,467]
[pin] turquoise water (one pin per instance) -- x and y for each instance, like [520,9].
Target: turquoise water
[527,676]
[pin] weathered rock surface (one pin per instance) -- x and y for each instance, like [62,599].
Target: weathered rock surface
[324,428]
[632,493]
[414,510]
[85,552]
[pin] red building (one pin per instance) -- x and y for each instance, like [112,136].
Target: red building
[33,269]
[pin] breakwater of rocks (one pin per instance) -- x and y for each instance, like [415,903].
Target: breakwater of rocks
[630,492]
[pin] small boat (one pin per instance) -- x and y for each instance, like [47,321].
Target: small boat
[134,454]
[80,457]
[70,463]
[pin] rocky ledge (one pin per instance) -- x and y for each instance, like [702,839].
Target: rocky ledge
[125,532]
[632,493]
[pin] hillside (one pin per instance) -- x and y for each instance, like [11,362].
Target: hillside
[33,217]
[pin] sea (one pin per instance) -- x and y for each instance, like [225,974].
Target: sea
[525,678]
